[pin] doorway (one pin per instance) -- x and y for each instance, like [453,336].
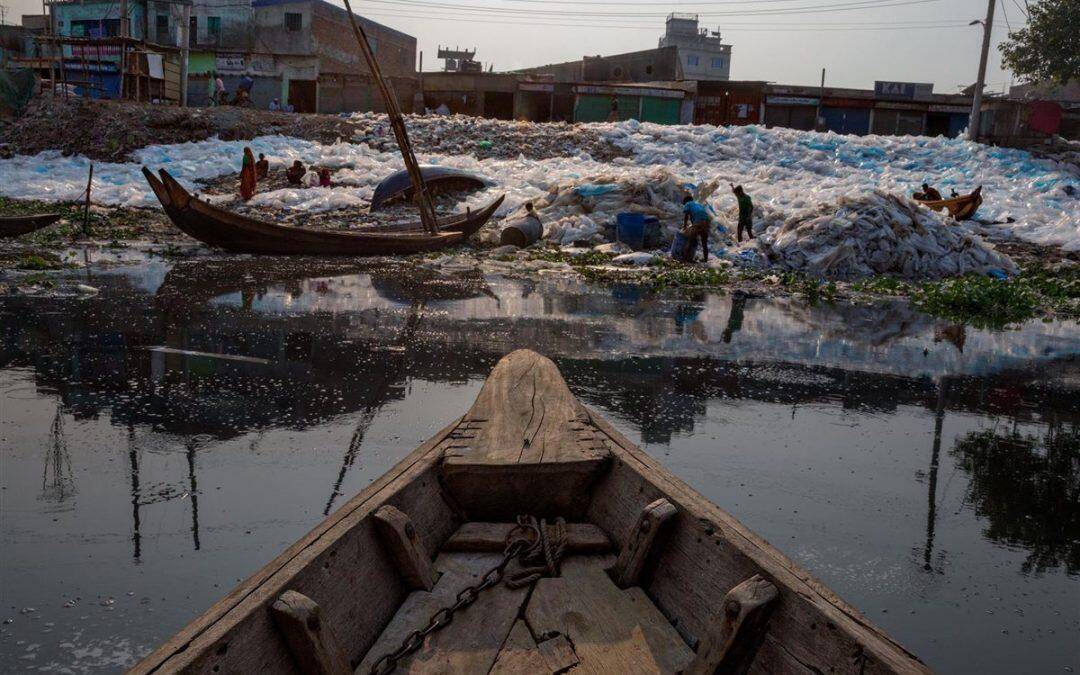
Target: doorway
[302,95]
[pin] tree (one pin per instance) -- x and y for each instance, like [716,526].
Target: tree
[1047,49]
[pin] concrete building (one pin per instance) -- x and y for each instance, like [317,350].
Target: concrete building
[301,52]
[650,65]
[701,53]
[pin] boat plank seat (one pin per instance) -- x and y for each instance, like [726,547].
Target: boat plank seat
[524,428]
[491,537]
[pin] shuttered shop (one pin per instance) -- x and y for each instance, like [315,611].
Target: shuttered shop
[793,112]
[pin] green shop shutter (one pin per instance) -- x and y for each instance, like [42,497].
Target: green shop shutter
[592,108]
[660,110]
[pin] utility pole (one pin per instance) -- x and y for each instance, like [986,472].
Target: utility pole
[821,94]
[976,100]
[185,43]
[125,31]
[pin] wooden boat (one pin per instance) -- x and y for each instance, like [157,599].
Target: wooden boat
[234,232]
[632,570]
[438,179]
[960,208]
[15,226]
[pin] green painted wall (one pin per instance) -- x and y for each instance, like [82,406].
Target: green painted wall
[597,107]
[660,110]
[201,62]
[590,108]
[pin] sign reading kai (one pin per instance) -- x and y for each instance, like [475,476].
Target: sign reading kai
[903,90]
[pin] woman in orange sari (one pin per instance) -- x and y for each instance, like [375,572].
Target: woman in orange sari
[247,175]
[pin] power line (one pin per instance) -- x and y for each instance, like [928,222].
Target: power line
[751,28]
[809,9]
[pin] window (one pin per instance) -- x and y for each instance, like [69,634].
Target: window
[691,59]
[648,70]
[293,21]
[193,31]
[213,25]
[95,28]
[162,28]
[717,62]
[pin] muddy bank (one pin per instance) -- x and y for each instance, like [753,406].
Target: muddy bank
[111,130]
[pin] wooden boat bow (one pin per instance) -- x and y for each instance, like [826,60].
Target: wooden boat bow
[654,577]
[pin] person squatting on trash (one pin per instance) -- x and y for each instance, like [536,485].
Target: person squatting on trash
[295,173]
[746,211]
[696,225]
[262,167]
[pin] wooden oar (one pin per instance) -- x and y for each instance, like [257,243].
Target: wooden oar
[420,193]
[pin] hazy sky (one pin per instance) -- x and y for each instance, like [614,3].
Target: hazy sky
[784,41]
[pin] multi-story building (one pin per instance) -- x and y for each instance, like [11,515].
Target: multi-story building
[301,52]
[701,53]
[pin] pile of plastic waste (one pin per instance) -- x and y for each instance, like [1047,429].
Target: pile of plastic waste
[488,138]
[878,233]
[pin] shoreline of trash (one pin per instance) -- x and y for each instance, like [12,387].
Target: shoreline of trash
[1045,281]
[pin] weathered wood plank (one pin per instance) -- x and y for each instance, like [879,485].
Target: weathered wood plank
[812,626]
[612,631]
[642,543]
[398,534]
[558,654]
[472,640]
[311,642]
[237,633]
[491,537]
[730,648]
[525,429]
[519,654]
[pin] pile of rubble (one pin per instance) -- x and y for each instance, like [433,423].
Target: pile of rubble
[112,130]
[877,233]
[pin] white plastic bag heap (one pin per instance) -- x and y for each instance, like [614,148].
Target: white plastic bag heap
[878,233]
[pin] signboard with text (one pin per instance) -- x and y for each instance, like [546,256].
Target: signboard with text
[227,62]
[903,90]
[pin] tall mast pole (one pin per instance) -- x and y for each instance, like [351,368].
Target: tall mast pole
[422,198]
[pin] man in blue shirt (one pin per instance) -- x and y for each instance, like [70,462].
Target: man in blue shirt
[696,225]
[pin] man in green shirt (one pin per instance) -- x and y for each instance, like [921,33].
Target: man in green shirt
[746,210]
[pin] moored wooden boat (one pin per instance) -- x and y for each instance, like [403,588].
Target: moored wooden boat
[15,226]
[234,232]
[438,179]
[960,208]
[644,575]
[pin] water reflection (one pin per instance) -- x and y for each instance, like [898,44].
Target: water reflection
[57,479]
[222,367]
[1028,488]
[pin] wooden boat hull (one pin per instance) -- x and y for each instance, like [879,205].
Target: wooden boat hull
[438,179]
[220,228]
[960,208]
[16,226]
[528,446]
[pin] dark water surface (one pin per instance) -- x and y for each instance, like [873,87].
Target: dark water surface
[163,439]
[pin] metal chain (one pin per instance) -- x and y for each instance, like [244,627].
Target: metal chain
[530,542]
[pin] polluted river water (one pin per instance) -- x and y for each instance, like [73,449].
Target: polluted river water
[164,437]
